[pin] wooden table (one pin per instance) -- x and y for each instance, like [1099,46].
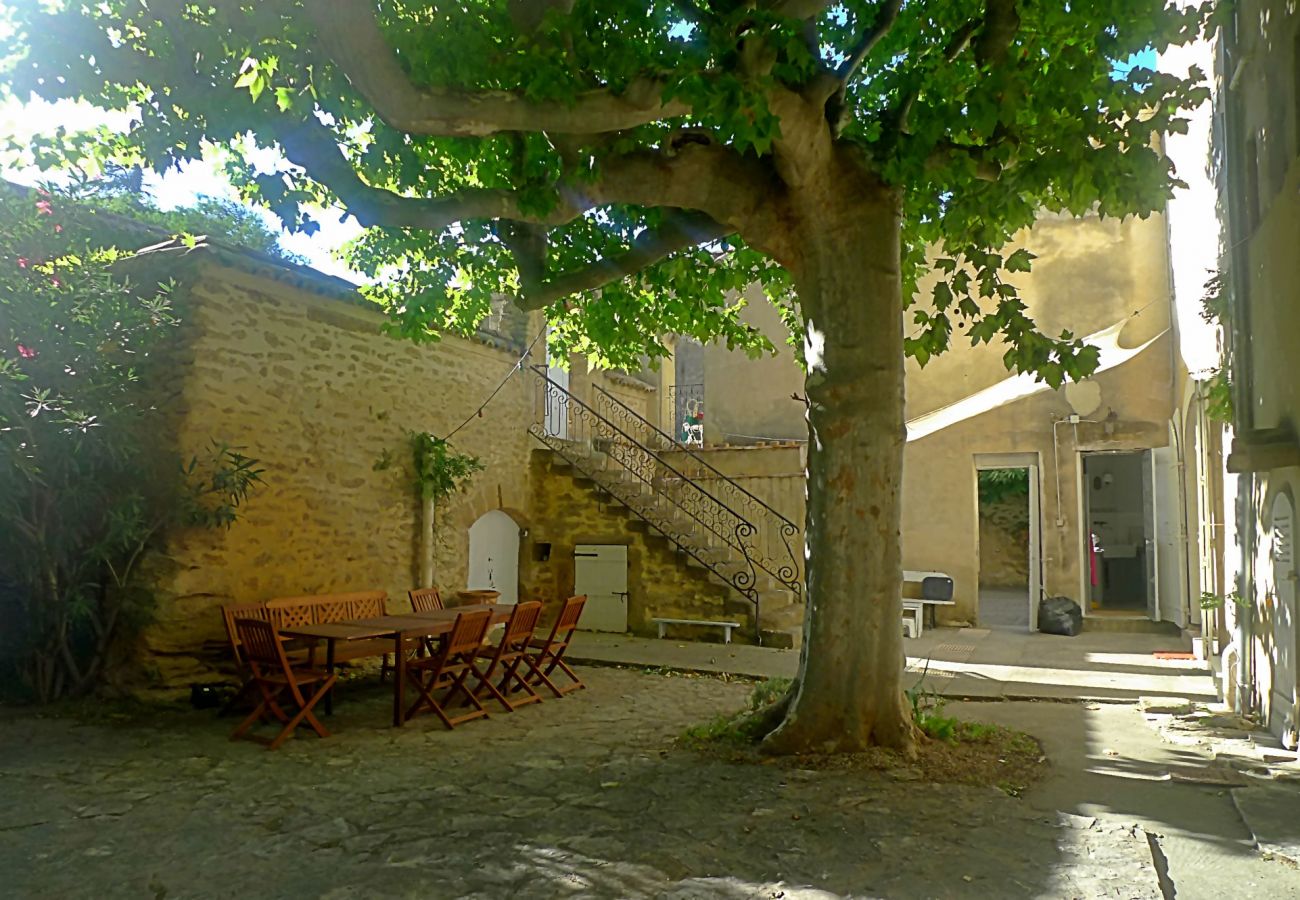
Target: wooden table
[401,628]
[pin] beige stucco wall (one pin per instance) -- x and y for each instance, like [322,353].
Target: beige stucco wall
[307,385]
[746,398]
[1090,274]
[940,500]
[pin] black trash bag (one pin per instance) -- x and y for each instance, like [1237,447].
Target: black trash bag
[1059,615]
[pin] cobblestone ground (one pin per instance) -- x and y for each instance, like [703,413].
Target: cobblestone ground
[582,797]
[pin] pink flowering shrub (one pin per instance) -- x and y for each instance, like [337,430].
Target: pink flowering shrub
[85,487]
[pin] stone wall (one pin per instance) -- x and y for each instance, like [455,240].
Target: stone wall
[1004,543]
[308,385]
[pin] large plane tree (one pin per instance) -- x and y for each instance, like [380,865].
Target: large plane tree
[626,165]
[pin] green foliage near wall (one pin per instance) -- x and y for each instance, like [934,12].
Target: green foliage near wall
[87,487]
[996,485]
[440,471]
[1217,389]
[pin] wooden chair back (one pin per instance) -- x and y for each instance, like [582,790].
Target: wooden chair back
[262,648]
[238,611]
[425,599]
[567,622]
[280,686]
[507,657]
[468,632]
[520,627]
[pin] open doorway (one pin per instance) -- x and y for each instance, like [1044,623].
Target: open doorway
[1008,541]
[1118,511]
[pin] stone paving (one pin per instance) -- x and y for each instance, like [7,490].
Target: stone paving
[981,663]
[583,797]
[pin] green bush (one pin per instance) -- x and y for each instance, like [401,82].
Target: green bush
[86,486]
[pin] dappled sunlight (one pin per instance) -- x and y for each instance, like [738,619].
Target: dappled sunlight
[568,871]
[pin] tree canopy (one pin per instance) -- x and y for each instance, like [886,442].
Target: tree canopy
[596,157]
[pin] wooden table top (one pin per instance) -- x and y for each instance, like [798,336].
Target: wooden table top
[337,631]
[433,622]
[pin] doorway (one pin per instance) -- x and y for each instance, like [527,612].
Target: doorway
[494,555]
[600,572]
[1008,530]
[1119,514]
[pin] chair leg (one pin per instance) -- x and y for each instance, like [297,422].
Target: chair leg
[505,689]
[252,718]
[537,672]
[305,714]
[424,697]
[558,662]
[461,686]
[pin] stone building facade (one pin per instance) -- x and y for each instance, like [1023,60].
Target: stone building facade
[292,368]
[1257,149]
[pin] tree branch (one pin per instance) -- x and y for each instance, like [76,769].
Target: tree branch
[1001,23]
[349,33]
[835,84]
[886,16]
[799,9]
[313,147]
[959,41]
[740,193]
[679,231]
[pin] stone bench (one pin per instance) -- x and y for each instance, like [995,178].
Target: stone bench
[725,626]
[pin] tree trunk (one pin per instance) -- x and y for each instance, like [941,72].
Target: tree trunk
[849,691]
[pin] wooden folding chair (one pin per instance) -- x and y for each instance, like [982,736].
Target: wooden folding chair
[425,599]
[450,669]
[279,683]
[230,614]
[548,653]
[508,656]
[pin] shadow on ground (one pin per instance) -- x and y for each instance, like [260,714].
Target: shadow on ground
[586,796]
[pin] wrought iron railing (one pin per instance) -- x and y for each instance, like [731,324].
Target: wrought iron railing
[771,545]
[709,531]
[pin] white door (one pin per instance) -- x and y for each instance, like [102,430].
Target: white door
[1150,483]
[1282,550]
[494,556]
[557,401]
[600,572]
[1171,575]
[1035,553]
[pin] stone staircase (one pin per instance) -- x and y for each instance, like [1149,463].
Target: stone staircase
[613,452]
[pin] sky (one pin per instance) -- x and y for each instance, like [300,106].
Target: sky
[176,188]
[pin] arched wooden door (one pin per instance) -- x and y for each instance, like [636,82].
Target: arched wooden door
[494,555]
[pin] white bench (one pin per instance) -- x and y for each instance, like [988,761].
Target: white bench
[725,626]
